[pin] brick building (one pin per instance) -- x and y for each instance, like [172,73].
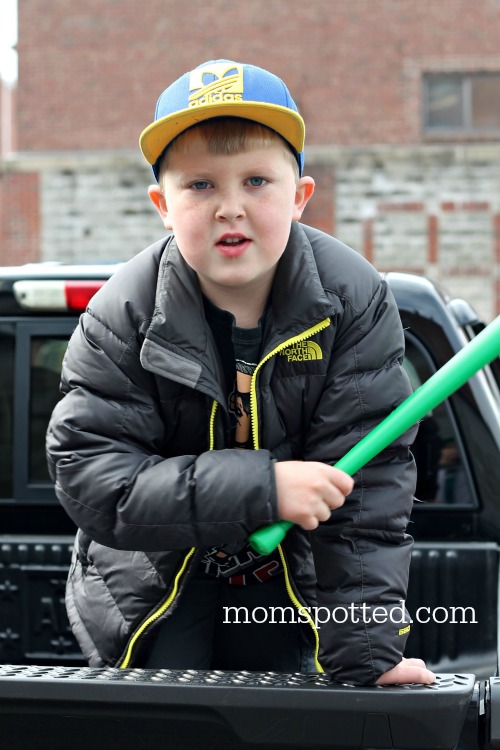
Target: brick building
[401,101]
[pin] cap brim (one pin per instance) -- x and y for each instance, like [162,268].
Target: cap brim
[287,123]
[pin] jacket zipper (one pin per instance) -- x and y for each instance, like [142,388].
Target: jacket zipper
[211,443]
[253,387]
[255,434]
[157,613]
[303,611]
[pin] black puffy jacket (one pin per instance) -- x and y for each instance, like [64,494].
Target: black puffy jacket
[136,449]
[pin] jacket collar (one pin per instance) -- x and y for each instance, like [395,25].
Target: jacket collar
[179,343]
[298,298]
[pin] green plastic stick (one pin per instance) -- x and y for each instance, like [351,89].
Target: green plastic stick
[448,379]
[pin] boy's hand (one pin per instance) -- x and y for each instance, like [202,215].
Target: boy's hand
[308,491]
[408,670]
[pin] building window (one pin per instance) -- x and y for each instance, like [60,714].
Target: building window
[462,103]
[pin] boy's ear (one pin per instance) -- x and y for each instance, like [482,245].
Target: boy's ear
[159,202]
[303,192]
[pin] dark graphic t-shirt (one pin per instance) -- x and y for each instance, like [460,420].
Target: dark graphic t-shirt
[239,350]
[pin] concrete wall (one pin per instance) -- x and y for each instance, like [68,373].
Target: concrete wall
[424,209]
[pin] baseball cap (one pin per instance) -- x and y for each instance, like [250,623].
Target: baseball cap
[223,88]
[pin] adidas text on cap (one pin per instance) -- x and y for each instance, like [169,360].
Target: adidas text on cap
[223,88]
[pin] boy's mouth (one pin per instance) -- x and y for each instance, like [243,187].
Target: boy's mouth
[232,240]
[232,245]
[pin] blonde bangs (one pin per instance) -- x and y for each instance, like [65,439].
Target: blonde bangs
[226,136]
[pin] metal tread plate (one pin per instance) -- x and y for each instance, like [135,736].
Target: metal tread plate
[203,709]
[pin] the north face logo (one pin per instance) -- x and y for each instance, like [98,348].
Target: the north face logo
[302,351]
[216,84]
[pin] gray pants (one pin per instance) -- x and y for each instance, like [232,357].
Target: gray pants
[202,634]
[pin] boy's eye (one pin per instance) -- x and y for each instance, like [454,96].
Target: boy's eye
[256,181]
[200,185]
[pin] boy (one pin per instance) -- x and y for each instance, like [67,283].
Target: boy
[209,388]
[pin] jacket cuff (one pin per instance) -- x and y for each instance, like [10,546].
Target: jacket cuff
[359,643]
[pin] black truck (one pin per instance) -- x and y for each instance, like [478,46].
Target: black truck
[50,698]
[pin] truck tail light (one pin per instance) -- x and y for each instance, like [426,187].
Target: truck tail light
[54,295]
[79,293]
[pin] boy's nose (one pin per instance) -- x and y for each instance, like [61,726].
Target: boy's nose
[229,209]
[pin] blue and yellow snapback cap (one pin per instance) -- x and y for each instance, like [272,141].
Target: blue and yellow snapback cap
[223,88]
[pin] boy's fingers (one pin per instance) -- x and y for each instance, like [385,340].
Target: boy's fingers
[336,492]
[324,512]
[412,662]
[406,672]
[310,524]
[308,492]
[343,481]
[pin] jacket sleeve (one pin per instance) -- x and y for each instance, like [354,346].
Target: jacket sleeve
[362,555]
[104,445]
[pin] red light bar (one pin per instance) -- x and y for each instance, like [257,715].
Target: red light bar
[79,293]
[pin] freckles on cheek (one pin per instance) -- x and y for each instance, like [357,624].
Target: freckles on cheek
[192,248]
[187,231]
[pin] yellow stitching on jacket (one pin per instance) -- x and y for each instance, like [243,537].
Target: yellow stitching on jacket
[302,610]
[158,613]
[284,345]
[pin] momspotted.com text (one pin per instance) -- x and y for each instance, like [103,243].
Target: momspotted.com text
[353,613]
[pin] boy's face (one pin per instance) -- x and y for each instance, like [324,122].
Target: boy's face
[231,214]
